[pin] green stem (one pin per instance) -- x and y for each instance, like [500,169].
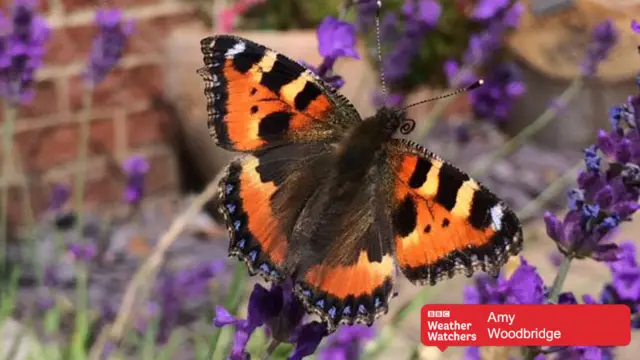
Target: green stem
[232,303]
[558,282]
[83,153]
[7,144]
[538,124]
[530,352]
[550,192]
[82,311]
[270,349]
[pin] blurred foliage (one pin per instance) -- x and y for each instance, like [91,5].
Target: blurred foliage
[288,14]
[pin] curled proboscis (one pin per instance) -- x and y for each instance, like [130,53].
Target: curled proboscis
[407,126]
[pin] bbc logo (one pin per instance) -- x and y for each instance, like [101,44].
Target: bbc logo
[438,313]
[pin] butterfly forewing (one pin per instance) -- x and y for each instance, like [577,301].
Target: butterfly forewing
[257,98]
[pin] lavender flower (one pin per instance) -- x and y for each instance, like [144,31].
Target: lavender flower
[420,17]
[608,190]
[175,289]
[584,353]
[488,9]
[109,45]
[22,39]
[604,197]
[635,26]
[366,12]
[135,167]
[625,283]
[45,301]
[346,343]
[482,45]
[336,38]
[59,197]
[83,252]
[282,313]
[603,38]
[525,286]
[502,86]
[193,282]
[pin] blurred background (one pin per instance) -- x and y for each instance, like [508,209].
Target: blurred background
[138,136]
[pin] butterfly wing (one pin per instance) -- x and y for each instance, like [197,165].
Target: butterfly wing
[346,272]
[445,222]
[258,98]
[261,196]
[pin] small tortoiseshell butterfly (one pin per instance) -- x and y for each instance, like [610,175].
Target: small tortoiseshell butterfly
[332,200]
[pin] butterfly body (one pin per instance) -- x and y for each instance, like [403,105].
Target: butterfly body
[335,202]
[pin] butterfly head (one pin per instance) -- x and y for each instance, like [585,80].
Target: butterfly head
[389,120]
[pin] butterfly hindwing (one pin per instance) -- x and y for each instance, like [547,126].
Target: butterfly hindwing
[258,98]
[445,222]
[346,274]
[260,196]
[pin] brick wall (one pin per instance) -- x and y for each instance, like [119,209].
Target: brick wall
[124,120]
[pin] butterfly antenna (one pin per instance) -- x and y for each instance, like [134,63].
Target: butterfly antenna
[473,86]
[383,83]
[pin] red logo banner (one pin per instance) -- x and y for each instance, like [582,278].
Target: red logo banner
[525,325]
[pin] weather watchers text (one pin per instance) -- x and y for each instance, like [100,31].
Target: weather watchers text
[522,325]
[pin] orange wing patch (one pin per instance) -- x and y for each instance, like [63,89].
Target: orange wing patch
[349,294]
[446,222]
[258,98]
[253,227]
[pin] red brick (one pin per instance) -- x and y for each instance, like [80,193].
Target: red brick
[43,148]
[44,102]
[74,5]
[55,145]
[160,175]
[145,127]
[15,206]
[149,34]
[122,87]
[102,136]
[105,190]
[69,44]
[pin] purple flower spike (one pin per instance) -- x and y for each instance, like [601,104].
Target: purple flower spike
[22,39]
[487,9]
[429,12]
[337,38]
[59,196]
[421,15]
[497,96]
[135,168]
[366,13]
[603,38]
[635,26]
[282,313]
[109,45]
[347,343]
[525,285]
[83,252]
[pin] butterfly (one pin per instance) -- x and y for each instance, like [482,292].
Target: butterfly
[334,201]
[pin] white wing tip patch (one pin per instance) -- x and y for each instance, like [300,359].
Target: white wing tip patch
[497,212]
[238,48]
